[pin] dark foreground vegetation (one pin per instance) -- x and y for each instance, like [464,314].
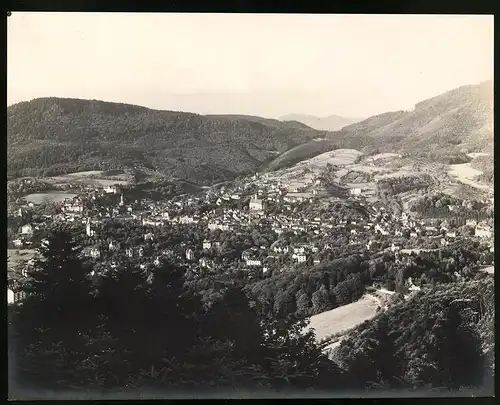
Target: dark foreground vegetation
[130,330]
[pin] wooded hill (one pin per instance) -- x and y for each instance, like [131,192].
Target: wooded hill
[458,120]
[49,136]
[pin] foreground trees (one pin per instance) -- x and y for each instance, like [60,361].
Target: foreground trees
[438,339]
[131,328]
[128,328]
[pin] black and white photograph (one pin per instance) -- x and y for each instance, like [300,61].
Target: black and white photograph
[224,205]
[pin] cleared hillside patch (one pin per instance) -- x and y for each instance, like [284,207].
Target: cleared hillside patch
[342,318]
[466,174]
[52,197]
[300,153]
[19,256]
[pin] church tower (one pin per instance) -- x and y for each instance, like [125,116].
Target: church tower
[89,229]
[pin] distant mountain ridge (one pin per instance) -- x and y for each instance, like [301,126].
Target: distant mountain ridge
[460,120]
[49,136]
[329,123]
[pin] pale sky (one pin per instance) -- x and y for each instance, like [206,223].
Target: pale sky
[261,64]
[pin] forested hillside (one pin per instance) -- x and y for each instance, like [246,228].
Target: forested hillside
[50,136]
[461,119]
[441,338]
[91,331]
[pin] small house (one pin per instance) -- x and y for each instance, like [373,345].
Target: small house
[27,229]
[189,254]
[301,258]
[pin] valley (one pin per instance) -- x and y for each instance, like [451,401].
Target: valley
[337,237]
[249,205]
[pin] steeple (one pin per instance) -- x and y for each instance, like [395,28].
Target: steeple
[89,230]
[121,200]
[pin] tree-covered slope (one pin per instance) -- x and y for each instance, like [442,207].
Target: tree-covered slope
[442,338]
[53,136]
[450,122]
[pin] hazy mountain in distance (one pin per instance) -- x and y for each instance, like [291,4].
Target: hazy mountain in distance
[49,136]
[330,123]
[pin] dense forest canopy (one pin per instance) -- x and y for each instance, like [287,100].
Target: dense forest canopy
[50,136]
[128,328]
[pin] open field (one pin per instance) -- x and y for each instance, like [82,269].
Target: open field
[23,256]
[303,173]
[355,170]
[343,318]
[336,157]
[476,154]
[92,177]
[465,173]
[489,269]
[81,174]
[53,196]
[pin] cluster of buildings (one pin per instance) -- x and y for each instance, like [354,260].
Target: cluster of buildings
[228,210]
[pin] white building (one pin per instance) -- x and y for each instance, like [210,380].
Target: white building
[381,230]
[483,231]
[254,262]
[355,191]
[27,230]
[223,227]
[255,204]
[94,252]
[471,222]
[10,296]
[111,190]
[18,243]
[88,229]
[301,258]
[298,250]
[73,208]
[189,254]
[207,244]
